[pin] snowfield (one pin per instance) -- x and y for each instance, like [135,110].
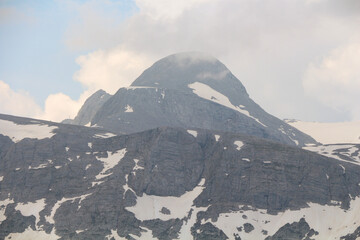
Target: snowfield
[330,133]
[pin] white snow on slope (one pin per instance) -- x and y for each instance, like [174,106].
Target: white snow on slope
[330,151]
[129,109]
[28,209]
[331,222]
[50,219]
[114,235]
[1,178]
[217,137]
[31,234]
[185,231]
[136,167]
[148,206]
[206,92]
[3,205]
[110,161]
[17,132]
[239,145]
[330,133]
[104,135]
[193,132]
[146,234]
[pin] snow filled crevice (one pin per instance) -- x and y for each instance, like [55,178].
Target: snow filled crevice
[17,132]
[149,207]
[206,92]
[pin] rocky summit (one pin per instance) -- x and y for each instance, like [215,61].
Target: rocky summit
[60,181]
[189,90]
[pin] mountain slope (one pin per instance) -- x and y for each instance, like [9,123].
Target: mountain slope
[169,183]
[192,90]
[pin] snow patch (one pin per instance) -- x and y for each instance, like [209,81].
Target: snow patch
[239,145]
[104,135]
[206,92]
[148,206]
[114,235]
[330,221]
[110,161]
[185,231]
[90,145]
[3,205]
[246,159]
[137,167]
[129,109]
[343,168]
[50,219]
[193,132]
[1,178]
[31,234]
[217,137]
[17,132]
[332,151]
[28,209]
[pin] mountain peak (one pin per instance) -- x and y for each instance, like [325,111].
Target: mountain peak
[179,70]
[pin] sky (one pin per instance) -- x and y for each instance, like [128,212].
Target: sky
[298,59]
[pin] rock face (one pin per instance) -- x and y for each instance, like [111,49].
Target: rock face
[74,182]
[191,90]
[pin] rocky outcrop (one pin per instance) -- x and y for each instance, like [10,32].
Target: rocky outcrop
[78,185]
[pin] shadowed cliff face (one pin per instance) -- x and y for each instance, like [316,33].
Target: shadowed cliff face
[79,183]
[191,90]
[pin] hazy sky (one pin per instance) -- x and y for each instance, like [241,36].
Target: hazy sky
[297,59]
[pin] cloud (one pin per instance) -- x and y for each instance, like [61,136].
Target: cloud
[57,106]
[17,102]
[110,70]
[163,9]
[335,80]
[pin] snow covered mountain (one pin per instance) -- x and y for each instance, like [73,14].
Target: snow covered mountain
[191,90]
[60,181]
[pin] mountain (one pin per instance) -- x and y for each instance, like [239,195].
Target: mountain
[73,182]
[89,109]
[191,90]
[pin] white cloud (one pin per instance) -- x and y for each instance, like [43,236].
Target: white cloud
[57,106]
[335,80]
[110,70]
[165,9]
[17,102]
